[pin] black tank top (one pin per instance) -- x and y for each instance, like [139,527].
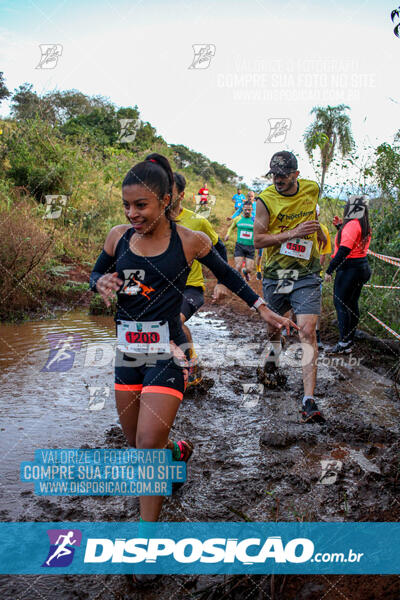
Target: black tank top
[153,285]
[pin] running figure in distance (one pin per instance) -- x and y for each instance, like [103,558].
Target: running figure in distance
[203,193]
[253,202]
[238,199]
[244,248]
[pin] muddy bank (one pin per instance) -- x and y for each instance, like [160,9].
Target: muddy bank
[253,458]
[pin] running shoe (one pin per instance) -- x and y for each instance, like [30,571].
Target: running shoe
[259,276]
[194,375]
[186,449]
[246,274]
[310,412]
[271,376]
[341,348]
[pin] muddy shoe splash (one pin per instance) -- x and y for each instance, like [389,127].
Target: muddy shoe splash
[271,376]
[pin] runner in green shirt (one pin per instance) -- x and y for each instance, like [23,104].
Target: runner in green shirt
[244,249]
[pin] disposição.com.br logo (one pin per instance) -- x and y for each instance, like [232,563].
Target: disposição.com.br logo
[62,547]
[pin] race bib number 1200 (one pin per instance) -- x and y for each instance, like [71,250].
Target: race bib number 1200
[297,247]
[144,337]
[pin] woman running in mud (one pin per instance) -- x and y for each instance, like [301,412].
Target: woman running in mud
[147,264]
[352,269]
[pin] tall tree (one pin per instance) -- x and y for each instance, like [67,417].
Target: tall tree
[331,130]
[4,93]
[27,104]
[68,104]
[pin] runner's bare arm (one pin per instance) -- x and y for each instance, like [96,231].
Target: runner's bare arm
[113,237]
[230,229]
[196,244]
[263,239]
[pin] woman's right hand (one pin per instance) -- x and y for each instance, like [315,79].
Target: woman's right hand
[107,285]
[336,221]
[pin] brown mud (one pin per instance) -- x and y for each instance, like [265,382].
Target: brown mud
[253,460]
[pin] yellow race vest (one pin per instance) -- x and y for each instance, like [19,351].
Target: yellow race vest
[286,212]
[195,222]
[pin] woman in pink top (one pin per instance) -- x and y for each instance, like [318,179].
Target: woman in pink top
[352,269]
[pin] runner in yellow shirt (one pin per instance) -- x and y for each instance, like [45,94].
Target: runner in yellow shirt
[193,296]
[324,251]
[287,227]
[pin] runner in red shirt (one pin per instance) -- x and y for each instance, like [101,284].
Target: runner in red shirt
[352,269]
[203,193]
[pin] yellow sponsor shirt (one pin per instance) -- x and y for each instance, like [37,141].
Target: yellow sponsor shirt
[195,222]
[325,248]
[286,212]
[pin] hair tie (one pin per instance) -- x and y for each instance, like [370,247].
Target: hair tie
[152,160]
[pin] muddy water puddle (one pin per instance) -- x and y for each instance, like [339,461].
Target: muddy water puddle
[253,458]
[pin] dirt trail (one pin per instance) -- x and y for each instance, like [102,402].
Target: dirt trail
[254,459]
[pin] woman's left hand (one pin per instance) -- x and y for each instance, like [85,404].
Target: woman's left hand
[328,277]
[220,292]
[276,320]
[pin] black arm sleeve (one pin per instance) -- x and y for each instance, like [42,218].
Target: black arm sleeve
[339,259]
[220,248]
[229,277]
[104,264]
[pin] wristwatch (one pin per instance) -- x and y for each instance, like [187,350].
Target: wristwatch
[259,302]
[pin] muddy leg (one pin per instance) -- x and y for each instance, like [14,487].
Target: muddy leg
[128,404]
[308,336]
[156,416]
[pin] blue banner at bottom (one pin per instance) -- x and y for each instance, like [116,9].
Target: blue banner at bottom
[196,548]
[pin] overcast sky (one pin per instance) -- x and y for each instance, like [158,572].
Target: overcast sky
[273,60]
